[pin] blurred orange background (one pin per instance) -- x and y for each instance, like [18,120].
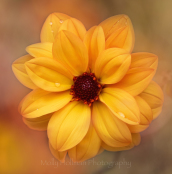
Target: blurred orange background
[25,151]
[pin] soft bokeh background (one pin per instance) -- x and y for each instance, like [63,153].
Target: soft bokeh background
[25,151]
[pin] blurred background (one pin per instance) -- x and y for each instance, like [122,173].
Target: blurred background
[24,151]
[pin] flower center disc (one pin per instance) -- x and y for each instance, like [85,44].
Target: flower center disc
[86,88]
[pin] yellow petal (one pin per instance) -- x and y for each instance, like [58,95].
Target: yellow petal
[135,142]
[51,26]
[20,71]
[58,155]
[40,50]
[40,102]
[39,123]
[119,32]
[136,80]
[49,74]
[110,129]
[146,116]
[144,60]
[68,126]
[70,51]
[87,148]
[112,65]
[153,95]
[74,26]
[122,104]
[95,43]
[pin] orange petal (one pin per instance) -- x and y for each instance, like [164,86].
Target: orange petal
[135,142]
[112,65]
[136,139]
[40,50]
[110,129]
[95,43]
[122,104]
[144,60]
[136,80]
[156,112]
[146,116]
[145,110]
[48,74]
[59,155]
[39,123]
[138,128]
[68,126]
[74,26]
[153,95]
[115,149]
[70,51]
[119,32]
[51,26]
[20,71]
[40,102]
[100,150]
[87,148]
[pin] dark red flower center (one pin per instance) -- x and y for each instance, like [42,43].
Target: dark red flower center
[86,88]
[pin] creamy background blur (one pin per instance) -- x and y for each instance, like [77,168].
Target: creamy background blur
[25,151]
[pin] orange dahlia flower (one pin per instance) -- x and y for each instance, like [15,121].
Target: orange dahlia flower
[89,92]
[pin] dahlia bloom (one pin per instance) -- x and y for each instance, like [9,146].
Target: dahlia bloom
[89,91]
